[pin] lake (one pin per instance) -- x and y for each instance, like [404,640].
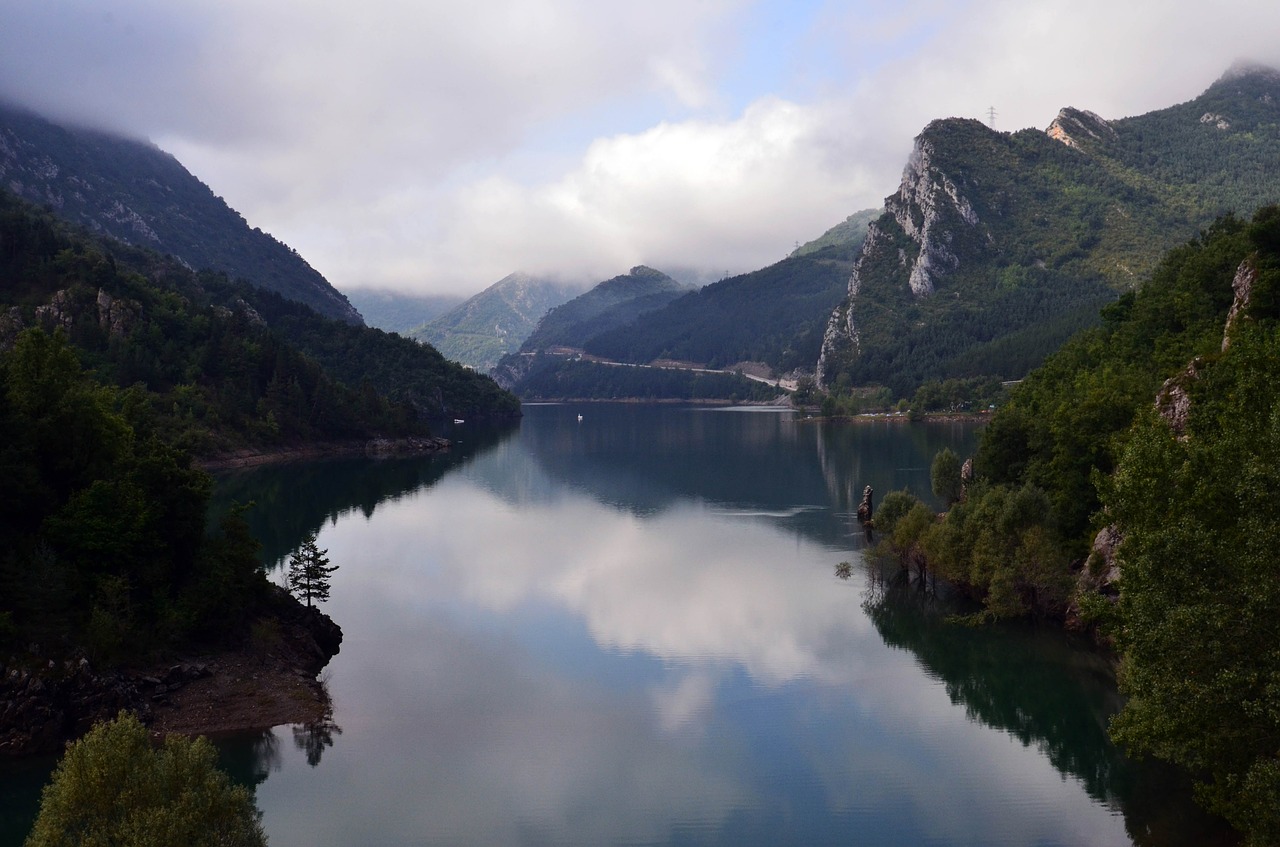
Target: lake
[629,629]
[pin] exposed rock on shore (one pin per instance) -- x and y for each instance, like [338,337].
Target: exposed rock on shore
[271,680]
[375,448]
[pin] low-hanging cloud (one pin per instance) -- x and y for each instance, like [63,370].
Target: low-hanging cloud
[441,146]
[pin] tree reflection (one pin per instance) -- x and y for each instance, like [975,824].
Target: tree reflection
[314,737]
[250,758]
[1043,687]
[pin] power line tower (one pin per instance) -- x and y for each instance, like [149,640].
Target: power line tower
[991,116]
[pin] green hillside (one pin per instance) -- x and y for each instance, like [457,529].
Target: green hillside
[219,365]
[775,315]
[494,322]
[1131,482]
[611,304]
[998,246]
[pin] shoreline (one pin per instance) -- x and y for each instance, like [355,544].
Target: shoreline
[376,448]
[273,679]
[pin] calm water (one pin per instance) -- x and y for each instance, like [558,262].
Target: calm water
[629,630]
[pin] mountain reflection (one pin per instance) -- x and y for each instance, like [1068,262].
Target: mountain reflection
[805,474]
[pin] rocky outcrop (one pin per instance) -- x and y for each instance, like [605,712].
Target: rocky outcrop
[1080,127]
[929,209]
[46,702]
[926,191]
[1173,400]
[1242,287]
[1100,575]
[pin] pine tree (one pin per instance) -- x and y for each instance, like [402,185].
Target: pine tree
[309,571]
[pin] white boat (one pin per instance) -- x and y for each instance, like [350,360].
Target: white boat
[579,418]
[458,420]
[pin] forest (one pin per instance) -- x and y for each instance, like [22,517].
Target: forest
[1188,485]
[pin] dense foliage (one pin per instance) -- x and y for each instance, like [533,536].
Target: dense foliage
[1200,585]
[1082,444]
[208,367]
[102,523]
[384,364]
[112,789]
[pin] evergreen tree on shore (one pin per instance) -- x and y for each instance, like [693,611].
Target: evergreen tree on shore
[309,572]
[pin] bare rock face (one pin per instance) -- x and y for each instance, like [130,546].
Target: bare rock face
[927,207]
[1100,575]
[1173,400]
[917,207]
[1242,286]
[117,316]
[1077,127]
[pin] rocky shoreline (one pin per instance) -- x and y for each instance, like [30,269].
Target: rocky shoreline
[271,680]
[377,448]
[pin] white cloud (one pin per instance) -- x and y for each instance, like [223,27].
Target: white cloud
[442,145]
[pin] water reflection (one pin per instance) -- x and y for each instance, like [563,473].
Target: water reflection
[1045,689]
[628,631]
[315,737]
[294,500]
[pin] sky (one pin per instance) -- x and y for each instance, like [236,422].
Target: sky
[434,148]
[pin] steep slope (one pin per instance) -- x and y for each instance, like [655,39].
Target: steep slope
[494,322]
[851,231]
[613,303]
[136,193]
[774,315]
[998,246]
[221,364]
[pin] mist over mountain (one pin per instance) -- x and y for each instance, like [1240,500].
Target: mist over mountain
[135,192]
[495,322]
[395,311]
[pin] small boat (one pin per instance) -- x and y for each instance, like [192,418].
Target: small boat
[579,418]
[458,420]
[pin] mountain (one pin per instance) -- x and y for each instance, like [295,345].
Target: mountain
[851,231]
[998,246]
[775,315]
[610,304]
[137,193]
[494,322]
[394,311]
[212,364]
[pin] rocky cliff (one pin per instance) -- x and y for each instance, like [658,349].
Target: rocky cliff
[997,246]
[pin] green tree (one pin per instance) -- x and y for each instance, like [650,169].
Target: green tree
[945,475]
[309,571]
[112,789]
[1200,587]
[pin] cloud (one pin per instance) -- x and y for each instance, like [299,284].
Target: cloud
[441,146]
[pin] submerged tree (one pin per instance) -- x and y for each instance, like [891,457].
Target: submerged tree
[309,571]
[113,788]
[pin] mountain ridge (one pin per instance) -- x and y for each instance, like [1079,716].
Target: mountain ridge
[139,194]
[997,246]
